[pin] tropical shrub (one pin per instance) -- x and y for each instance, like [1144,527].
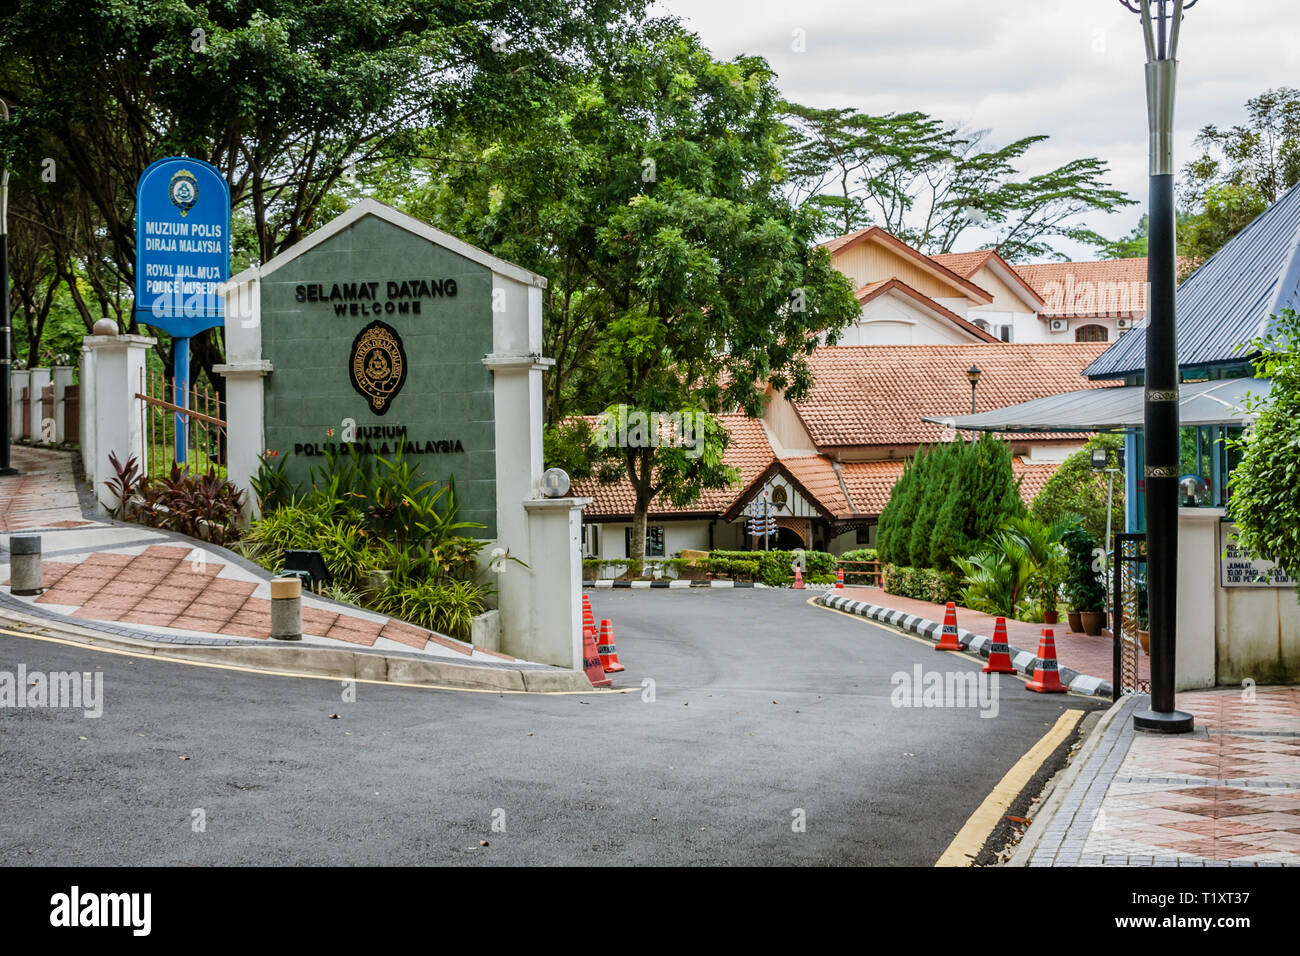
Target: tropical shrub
[447,607]
[998,579]
[1042,544]
[200,504]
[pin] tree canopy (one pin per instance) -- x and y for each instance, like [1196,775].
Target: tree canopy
[929,182]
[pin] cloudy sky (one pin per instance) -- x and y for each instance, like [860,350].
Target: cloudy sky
[1069,68]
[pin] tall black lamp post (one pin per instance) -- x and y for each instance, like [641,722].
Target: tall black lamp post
[973,373]
[6,333]
[1161,20]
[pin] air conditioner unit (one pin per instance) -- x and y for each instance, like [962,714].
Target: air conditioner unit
[1060,325]
[1124,323]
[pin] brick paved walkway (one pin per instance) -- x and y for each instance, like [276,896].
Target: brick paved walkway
[163,584]
[1087,655]
[1228,795]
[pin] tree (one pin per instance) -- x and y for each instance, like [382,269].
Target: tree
[935,486]
[1265,485]
[1076,489]
[928,182]
[285,98]
[680,275]
[1239,173]
[984,494]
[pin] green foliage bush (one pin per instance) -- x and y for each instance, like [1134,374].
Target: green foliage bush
[776,568]
[860,575]
[1075,489]
[1084,590]
[921,584]
[367,515]
[1265,485]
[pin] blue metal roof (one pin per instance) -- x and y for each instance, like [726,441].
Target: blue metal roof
[1230,299]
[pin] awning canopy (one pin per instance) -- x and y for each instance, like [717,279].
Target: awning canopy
[1218,402]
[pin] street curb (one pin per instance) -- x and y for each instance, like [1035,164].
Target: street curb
[979,644]
[339,663]
[1058,788]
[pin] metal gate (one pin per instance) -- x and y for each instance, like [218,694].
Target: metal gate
[1128,583]
[202,425]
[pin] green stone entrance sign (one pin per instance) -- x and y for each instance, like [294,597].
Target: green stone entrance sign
[380,332]
[377,338]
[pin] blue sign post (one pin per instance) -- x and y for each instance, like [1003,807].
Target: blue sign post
[182,253]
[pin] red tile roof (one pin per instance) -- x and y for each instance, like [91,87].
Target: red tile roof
[965,264]
[878,394]
[869,483]
[874,290]
[1110,287]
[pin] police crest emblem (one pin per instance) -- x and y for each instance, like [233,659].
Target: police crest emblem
[183,190]
[378,365]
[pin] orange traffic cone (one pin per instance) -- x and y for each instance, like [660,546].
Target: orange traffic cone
[839,578]
[999,652]
[798,580]
[1047,678]
[591,661]
[588,618]
[608,653]
[949,642]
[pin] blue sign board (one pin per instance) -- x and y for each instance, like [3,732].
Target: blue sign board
[182,246]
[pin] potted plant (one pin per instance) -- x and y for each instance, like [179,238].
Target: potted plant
[1085,594]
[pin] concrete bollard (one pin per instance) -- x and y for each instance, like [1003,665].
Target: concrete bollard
[25,565]
[286,609]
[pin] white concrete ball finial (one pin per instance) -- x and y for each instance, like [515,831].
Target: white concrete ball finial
[104,327]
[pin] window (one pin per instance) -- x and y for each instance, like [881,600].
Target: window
[1004,333]
[654,541]
[1090,333]
[591,540]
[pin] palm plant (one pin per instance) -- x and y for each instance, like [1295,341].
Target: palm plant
[1042,544]
[997,578]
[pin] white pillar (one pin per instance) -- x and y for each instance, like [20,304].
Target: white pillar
[62,376]
[554,632]
[245,371]
[39,378]
[87,425]
[119,366]
[1198,591]
[18,380]
[245,427]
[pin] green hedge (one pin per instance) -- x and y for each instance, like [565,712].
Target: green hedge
[776,568]
[922,584]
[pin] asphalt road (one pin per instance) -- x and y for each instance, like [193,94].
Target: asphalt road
[763,707]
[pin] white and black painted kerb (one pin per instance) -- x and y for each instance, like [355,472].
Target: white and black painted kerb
[1023,661]
[674,585]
